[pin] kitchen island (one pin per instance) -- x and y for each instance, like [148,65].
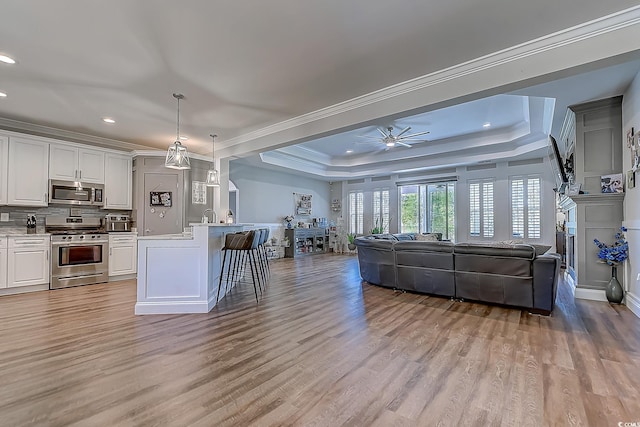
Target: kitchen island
[179,273]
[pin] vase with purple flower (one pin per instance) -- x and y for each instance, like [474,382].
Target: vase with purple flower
[614,255]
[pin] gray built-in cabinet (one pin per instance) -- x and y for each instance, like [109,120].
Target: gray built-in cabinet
[306,241]
[592,134]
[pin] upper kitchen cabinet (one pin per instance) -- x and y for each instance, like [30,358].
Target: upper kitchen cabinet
[71,163]
[118,181]
[28,172]
[4,160]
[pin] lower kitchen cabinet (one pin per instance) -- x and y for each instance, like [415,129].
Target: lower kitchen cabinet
[27,261]
[3,262]
[123,251]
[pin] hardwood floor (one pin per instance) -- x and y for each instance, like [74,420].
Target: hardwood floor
[321,349]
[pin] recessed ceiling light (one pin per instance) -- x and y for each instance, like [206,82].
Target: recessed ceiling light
[6,59]
[3,95]
[349,151]
[108,120]
[486,125]
[184,138]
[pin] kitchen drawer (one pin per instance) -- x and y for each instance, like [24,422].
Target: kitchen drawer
[23,241]
[122,238]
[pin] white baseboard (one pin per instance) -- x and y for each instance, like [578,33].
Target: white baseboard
[122,277]
[24,289]
[591,294]
[633,303]
[172,307]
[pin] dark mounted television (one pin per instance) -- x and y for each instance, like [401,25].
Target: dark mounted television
[561,175]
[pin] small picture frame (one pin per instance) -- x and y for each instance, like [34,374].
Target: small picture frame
[160,198]
[612,183]
[631,179]
[574,189]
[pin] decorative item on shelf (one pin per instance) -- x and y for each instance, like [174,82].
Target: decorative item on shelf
[574,189]
[614,255]
[229,219]
[213,177]
[288,220]
[177,155]
[351,237]
[612,183]
[335,205]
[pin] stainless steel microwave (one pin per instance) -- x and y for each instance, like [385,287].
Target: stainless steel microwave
[75,193]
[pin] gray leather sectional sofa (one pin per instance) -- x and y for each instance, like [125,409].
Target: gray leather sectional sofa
[511,275]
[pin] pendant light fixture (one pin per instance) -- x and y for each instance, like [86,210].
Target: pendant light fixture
[177,155]
[213,177]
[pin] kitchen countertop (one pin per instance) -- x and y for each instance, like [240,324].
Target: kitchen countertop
[22,233]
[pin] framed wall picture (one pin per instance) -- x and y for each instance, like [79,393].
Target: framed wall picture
[302,203]
[160,198]
[612,183]
[198,193]
[631,179]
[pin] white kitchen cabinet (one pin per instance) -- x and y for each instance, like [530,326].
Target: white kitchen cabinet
[71,163]
[122,254]
[3,262]
[28,261]
[28,172]
[4,162]
[118,185]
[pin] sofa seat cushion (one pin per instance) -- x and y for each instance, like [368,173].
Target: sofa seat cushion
[499,289]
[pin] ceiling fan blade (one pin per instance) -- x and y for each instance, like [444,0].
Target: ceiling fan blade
[403,144]
[415,134]
[413,139]
[382,132]
[408,128]
[369,137]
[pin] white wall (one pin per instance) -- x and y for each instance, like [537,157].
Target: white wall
[631,118]
[266,196]
[500,174]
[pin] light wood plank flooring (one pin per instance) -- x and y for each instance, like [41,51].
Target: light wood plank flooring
[320,349]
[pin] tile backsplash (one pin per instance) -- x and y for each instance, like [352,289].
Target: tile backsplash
[18,215]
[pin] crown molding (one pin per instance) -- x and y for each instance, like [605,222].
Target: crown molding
[551,42]
[68,136]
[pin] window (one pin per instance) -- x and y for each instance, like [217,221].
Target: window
[526,207]
[381,210]
[481,215]
[356,212]
[428,208]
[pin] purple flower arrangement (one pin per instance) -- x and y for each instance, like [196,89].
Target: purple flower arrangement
[616,253]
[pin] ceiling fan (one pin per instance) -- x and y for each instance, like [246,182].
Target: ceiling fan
[391,140]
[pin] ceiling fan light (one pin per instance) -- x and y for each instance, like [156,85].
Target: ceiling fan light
[177,157]
[391,143]
[213,178]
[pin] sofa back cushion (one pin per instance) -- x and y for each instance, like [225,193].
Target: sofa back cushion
[405,236]
[508,261]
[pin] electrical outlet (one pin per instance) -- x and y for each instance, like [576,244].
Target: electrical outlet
[4,217]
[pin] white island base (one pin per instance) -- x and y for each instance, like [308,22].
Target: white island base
[178,273]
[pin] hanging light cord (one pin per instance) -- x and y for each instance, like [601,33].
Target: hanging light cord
[178,120]
[213,149]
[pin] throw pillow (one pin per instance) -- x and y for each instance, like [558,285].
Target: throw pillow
[541,249]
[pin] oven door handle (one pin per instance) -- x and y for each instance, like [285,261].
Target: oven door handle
[88,243]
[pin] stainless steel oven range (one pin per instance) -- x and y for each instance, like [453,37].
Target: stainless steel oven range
[79,251]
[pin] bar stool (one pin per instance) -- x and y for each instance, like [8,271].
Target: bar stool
[236,246]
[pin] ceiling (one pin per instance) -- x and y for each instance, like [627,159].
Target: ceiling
[245,67]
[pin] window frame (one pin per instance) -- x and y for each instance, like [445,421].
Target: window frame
[359,215]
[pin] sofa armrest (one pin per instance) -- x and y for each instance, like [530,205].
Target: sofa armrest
[546,269]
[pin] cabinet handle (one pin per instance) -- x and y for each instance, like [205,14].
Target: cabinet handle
[81,174]
[47,254]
